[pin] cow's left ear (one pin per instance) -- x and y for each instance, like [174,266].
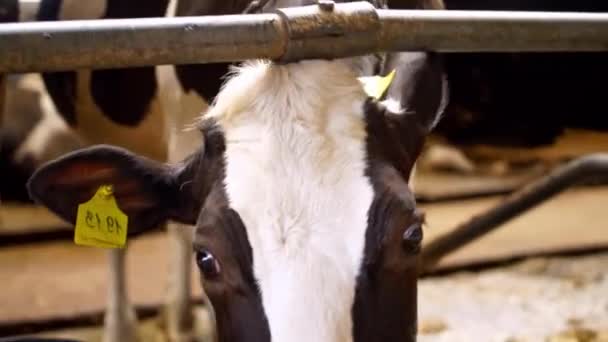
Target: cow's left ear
[420,86]
[148,192]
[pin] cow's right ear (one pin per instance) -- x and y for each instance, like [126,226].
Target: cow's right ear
[148,192]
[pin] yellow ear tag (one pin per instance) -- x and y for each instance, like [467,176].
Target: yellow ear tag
[100,223]
[376,86]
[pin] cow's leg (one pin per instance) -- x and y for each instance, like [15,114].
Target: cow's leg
[179,309]
[120,322]
[2,94]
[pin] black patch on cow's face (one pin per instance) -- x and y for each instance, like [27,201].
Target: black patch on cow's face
[385,307]
[221,235]
[9,11]
[385,298]
[233,292]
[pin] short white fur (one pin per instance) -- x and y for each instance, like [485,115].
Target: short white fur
[295,172]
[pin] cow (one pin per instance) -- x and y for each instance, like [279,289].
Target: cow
[31,131]
[117,106]
[514,104]
[31,134]
[306,229]
[134,101]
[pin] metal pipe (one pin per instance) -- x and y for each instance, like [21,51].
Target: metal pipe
[114,43]
[492,31]
[341,30]
[515,204]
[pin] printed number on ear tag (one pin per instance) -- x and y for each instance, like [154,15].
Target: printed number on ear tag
[100,223]
[376,86]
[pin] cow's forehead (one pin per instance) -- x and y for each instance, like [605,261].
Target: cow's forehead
[305,218]
[295,166]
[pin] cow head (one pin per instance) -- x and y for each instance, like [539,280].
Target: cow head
[305,226]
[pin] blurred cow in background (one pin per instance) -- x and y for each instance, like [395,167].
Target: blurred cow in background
[525,107]
[32,133]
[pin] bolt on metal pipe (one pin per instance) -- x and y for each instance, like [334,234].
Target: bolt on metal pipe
[290,34]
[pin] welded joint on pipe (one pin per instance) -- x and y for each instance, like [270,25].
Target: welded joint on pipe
[308,31]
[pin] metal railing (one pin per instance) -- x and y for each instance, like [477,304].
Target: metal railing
[327,31]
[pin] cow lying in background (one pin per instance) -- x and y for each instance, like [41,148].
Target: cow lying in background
[306,229]
[519,106]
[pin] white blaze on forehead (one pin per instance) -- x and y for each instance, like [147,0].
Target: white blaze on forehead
[295,164]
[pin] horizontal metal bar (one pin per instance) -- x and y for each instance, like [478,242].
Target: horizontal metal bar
[290,34]
[113,43]
[490,31]
[514,205]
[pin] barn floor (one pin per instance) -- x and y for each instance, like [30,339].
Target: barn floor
[559,299]
[534,300]
[555,299]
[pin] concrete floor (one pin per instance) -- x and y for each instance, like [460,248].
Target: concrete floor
[541,299]
[520,303]
[559,299]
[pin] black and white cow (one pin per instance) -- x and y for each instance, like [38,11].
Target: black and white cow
[362,153]
[31,131]
[306,229]
[31,134]
[524,99]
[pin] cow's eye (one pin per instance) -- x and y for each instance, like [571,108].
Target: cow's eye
[412,237]
[208,264]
